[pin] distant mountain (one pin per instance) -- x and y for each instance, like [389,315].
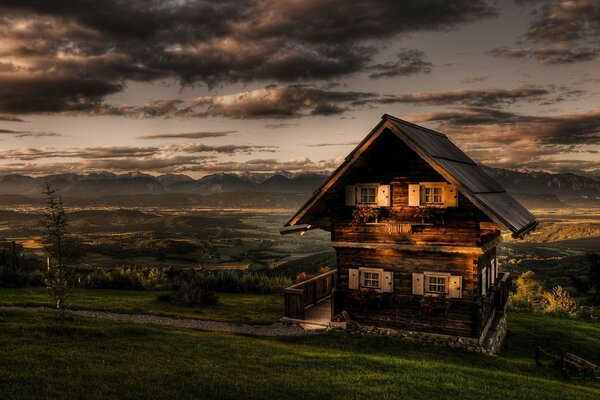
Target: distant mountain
[301,183]
[567,187]
[535,189]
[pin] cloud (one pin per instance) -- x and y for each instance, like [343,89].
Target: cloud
[262,165]
[68,56]
[9,118]
[409,62]
[548,55]
[474,79]
[21,134]
[478,97]
[351,143]
[565,21]
[297,101]
[133,153]
[187,135]
[508,139]
[279,125]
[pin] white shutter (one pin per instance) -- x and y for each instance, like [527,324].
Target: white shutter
[455,287]
[417,283]
[484,272]
[352,279]
[414,196]
[383,196]
[451,196]
[494,272]
[350,195]
[388,282]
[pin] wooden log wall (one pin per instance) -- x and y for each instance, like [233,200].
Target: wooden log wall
[403,264]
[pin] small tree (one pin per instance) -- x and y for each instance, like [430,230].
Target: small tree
[529,291]
[61,250]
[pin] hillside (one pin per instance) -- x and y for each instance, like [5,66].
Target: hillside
[123,360]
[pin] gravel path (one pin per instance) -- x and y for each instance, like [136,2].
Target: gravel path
[276,329]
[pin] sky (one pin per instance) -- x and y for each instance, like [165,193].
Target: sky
[198,87]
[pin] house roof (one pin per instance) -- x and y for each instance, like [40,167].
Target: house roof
[449,161]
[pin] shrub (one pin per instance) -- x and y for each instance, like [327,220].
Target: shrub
[190,293]
[528,294]
[242,282]
[559,302]
[127,278]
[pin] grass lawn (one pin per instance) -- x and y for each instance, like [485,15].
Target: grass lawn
[101,359]
[246,308]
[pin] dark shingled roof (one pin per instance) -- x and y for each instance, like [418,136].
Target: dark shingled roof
[448,160]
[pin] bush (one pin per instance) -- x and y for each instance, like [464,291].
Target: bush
[558,302]
[242,282]
[127,278]
[190,293]
[529,292]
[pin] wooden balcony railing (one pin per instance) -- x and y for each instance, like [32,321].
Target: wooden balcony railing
[308,293]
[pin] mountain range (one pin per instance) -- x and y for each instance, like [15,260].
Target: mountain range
[544,187]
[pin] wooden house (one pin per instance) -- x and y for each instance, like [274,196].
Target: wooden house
[415,223]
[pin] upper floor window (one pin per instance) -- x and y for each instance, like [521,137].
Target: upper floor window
[432,195]
[436,284]
[367,195]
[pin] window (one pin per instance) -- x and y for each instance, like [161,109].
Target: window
[436,284]
[432,195]
[371,280]
[367,194]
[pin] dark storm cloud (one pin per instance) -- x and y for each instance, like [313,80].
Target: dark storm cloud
[21,134]
[478,97]
[548,56]
[409,62]
[67,56]
[188,135]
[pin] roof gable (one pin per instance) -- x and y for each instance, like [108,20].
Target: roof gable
[450,162]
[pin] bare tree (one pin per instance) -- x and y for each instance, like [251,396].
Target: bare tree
[61,250]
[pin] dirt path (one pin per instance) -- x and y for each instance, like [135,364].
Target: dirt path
[276,329]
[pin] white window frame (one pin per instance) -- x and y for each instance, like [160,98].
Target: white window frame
[367,186]
[436,275]
[361,278]
[424,186]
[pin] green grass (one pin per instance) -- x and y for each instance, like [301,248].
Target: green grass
[101,359]
[245,308]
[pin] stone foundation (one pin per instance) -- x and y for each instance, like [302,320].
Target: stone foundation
[490,345]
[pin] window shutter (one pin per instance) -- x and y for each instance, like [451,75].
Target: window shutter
[414,195]
[494,270]
[350,195]
[484,281]
[388,282]
[383,196]
[455,287]
[417,283]
[451,196]
[352,279]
